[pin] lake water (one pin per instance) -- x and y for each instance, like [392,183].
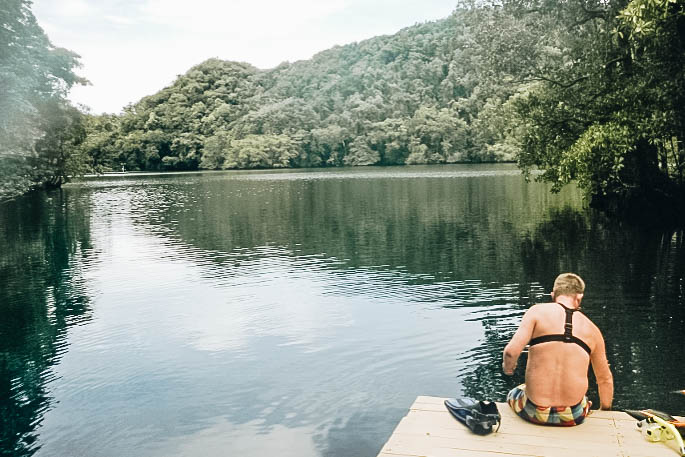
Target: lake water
[299,313]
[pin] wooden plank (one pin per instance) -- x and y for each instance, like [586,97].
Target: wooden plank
[429,430]
[512,438]
[631,438]
[510,418]
[437,404]
[439,425]
[436,446]
[385,454]
[462,453]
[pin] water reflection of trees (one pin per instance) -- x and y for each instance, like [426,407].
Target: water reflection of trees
[451,229]
[634,293]
[496,229]
[43,242]
[447,230]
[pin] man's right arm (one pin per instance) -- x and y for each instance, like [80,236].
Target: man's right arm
[605,380]
[522,336]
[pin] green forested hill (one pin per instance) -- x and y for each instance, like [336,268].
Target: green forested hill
[412,97]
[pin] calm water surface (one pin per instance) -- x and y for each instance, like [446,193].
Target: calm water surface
[299,313]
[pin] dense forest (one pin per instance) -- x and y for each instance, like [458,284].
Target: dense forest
[590,91]
[407,98]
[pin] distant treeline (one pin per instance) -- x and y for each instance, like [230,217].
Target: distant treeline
[591,91]
[413,97]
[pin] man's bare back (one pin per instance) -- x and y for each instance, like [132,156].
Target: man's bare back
[556,371]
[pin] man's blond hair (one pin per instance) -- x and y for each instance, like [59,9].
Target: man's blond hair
[568,284]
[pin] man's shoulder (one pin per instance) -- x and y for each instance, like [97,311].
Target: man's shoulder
[542,307]
[593,326]
[539,310]
[594,332]
[550,303]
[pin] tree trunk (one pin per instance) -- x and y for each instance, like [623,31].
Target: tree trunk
[649,197]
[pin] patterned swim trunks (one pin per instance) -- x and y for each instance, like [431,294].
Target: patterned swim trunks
[564,416]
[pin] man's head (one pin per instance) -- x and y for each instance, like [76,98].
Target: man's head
[569,284]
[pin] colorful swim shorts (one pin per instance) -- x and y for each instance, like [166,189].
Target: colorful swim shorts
[564,416]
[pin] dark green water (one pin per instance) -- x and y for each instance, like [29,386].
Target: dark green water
[300,313]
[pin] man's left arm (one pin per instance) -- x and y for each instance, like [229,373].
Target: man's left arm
[605,380]
[522,336]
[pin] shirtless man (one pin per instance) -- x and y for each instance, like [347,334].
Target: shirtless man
[558,358]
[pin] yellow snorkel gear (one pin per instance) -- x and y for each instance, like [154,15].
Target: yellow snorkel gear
[655,428]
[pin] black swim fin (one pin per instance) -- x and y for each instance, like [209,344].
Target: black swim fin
[643,414]
[479,416]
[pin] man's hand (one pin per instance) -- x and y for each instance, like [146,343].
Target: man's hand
[509,363]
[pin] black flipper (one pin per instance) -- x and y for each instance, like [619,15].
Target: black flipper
[643,414]
[637,414]
[479,416]
[665,416]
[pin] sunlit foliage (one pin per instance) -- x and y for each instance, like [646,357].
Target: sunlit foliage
[38,130]
[601,96]
[413,97]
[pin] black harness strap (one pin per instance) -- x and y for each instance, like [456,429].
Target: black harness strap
[568,326]
[567,337]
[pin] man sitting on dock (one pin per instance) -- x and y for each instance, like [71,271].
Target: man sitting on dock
[562,342]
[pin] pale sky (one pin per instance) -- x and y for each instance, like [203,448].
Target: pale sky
[133,48]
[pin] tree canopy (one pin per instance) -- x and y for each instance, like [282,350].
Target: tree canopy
[412,97]
[600,97]
[38,128]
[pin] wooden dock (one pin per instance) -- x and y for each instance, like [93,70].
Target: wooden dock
[429,430]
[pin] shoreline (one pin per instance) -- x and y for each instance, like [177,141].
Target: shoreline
[128,174]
